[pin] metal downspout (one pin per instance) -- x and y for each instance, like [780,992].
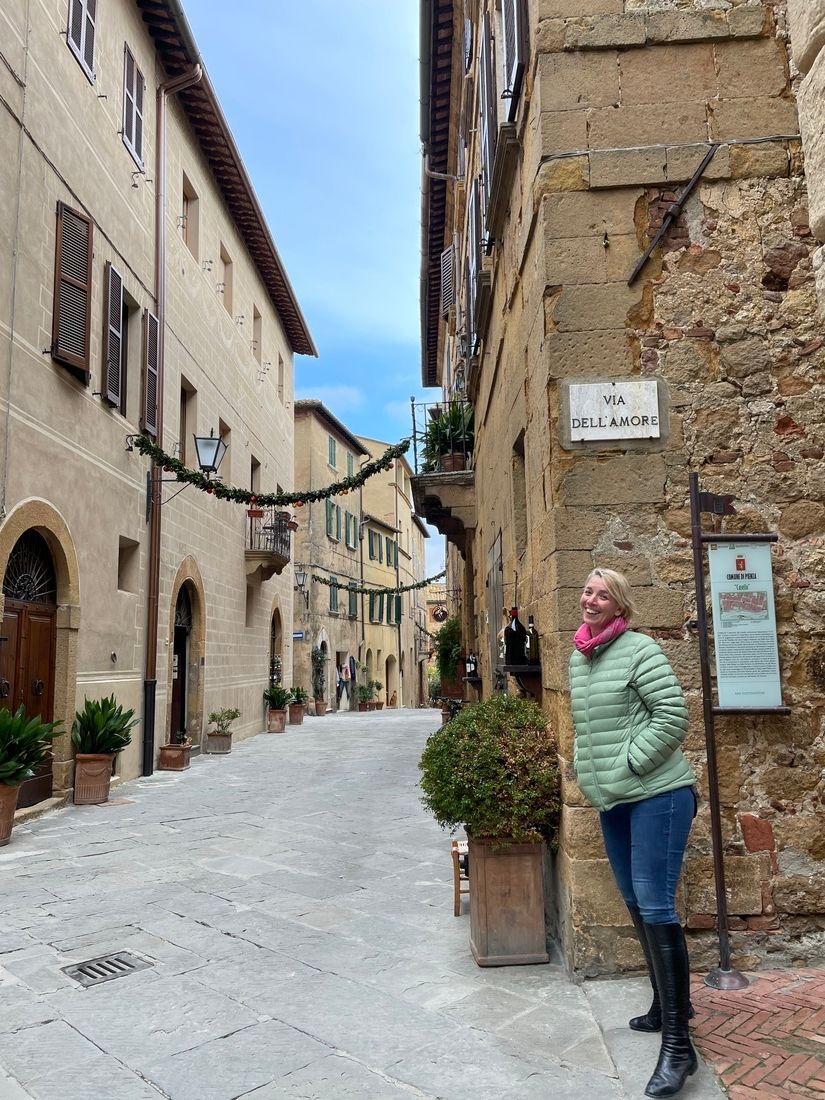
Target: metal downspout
[165,89]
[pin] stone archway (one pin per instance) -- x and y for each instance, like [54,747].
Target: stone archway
[391,678]
[46,521]
[276,647]
[188,601]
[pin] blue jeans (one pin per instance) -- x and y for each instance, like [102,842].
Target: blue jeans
[645,843]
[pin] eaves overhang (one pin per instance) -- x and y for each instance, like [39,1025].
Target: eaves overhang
[178,52]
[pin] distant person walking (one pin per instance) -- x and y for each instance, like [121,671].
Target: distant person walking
[630,719]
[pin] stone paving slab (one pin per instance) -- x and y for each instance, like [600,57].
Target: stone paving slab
[295,902]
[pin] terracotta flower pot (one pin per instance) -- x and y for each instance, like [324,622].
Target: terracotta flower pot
[320,708]
[276,720]
[218,744]
[255,513]
[362,706]
[92,776]
[173,758]
[296,714]
[8,802]
[452,462]
[379,705]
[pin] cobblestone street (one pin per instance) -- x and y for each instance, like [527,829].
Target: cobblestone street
[295,902]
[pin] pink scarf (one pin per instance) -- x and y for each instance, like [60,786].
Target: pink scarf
[585,643]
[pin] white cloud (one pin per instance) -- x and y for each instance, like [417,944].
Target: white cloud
[338,399]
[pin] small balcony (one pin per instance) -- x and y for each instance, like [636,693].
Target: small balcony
[268,542]
[444,482]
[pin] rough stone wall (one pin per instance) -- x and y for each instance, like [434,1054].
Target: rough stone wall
[807,26]
[621,102]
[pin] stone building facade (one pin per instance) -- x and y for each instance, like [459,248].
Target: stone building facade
[557,134]
[139,291]
[367,538]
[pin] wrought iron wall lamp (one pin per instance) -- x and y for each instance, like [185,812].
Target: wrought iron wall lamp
[209,450]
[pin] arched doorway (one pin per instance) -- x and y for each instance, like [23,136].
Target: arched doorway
[391,678]
[180,661]
[276,645]
[27,644]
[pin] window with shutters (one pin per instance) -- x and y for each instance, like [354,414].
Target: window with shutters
[514,59]
[190,216]
[113,387]
[133,88]
[390,551]
[353,603]
[151,358]
[330,516]
[338,522]
[398,608]
[333,594]
[71,318]
[390,609]
[447,280]
[188,423]
[376,607]
[371,543]
[473,263]
[350,464]
[80,34]
[331,456]
[379,547]
[488,110]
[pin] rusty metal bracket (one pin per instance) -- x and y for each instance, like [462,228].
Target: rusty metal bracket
[673,212]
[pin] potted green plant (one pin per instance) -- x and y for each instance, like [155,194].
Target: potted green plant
[364,694]
[297,706]
[318,660]
[494,769]
[277,699]
[99,732]
[174,756]
[447,649]
[449,439]
[377,688]
[219,739]
[25,744]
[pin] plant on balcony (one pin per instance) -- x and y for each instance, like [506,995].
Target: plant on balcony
[449,439]
[99,731]
[25,744]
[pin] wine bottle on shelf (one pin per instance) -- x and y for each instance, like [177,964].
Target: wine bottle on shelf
[531,644]
[515,637]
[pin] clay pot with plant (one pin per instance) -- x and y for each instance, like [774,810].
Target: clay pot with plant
[99,732]
[378,687]
[494,770]
[219,739]
[25,744]
[449,439]
[277,700]
[175,756]
[297,706]
[364,694]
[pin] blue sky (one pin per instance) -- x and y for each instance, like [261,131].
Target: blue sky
[322,99]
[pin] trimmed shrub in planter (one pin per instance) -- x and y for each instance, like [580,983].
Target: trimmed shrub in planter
[219,740]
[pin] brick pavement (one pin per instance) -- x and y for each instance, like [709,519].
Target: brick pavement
[767,1041]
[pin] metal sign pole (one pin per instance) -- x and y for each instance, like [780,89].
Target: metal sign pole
[724,977]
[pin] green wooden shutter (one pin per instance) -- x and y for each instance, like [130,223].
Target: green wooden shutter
[333,594]
[331,450]
[398,608]
[353,602]
[330,517]
[350,465]
[338,522]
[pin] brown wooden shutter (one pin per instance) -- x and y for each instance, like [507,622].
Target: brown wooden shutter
[113,336]
[447,281]
[514,20]
[488,111]
[151,353]
[71,316]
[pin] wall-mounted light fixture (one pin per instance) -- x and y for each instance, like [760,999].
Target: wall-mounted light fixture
[209,450]
[301,584]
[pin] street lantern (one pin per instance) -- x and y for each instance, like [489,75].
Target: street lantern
[210,451]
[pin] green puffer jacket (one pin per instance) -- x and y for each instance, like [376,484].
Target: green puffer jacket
[630,719]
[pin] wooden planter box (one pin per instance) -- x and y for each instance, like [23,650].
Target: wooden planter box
[276,720]
[507,903]
[173,758]
[92,777]
[218,744]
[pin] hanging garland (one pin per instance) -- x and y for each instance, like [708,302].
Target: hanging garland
[246,496]
[377,591]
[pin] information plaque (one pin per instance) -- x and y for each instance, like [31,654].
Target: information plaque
[744,625]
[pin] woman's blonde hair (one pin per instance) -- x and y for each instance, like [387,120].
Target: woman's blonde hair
[618,586]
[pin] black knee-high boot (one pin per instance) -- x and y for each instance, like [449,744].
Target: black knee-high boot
[677,1058]
[652,1019]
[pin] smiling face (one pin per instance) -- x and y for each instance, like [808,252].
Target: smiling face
[598,606]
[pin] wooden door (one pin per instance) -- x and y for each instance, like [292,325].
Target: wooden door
[27,667]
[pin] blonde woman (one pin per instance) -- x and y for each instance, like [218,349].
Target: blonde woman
[630,720]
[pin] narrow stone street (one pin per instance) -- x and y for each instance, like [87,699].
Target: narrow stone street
[295,903]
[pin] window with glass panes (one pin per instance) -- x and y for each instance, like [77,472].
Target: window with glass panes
[331,451]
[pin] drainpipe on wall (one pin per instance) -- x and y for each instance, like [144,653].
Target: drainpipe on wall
[165,89]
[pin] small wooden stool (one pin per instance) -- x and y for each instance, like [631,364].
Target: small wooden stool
[459,848]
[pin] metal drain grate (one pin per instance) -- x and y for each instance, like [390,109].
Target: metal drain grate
[105,968]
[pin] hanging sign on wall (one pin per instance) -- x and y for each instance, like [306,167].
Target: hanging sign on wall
[744,625]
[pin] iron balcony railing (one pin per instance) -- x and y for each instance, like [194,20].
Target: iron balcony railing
[270,533]
[443,436]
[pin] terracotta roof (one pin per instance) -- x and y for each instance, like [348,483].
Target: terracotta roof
[178,52]
[313,405]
